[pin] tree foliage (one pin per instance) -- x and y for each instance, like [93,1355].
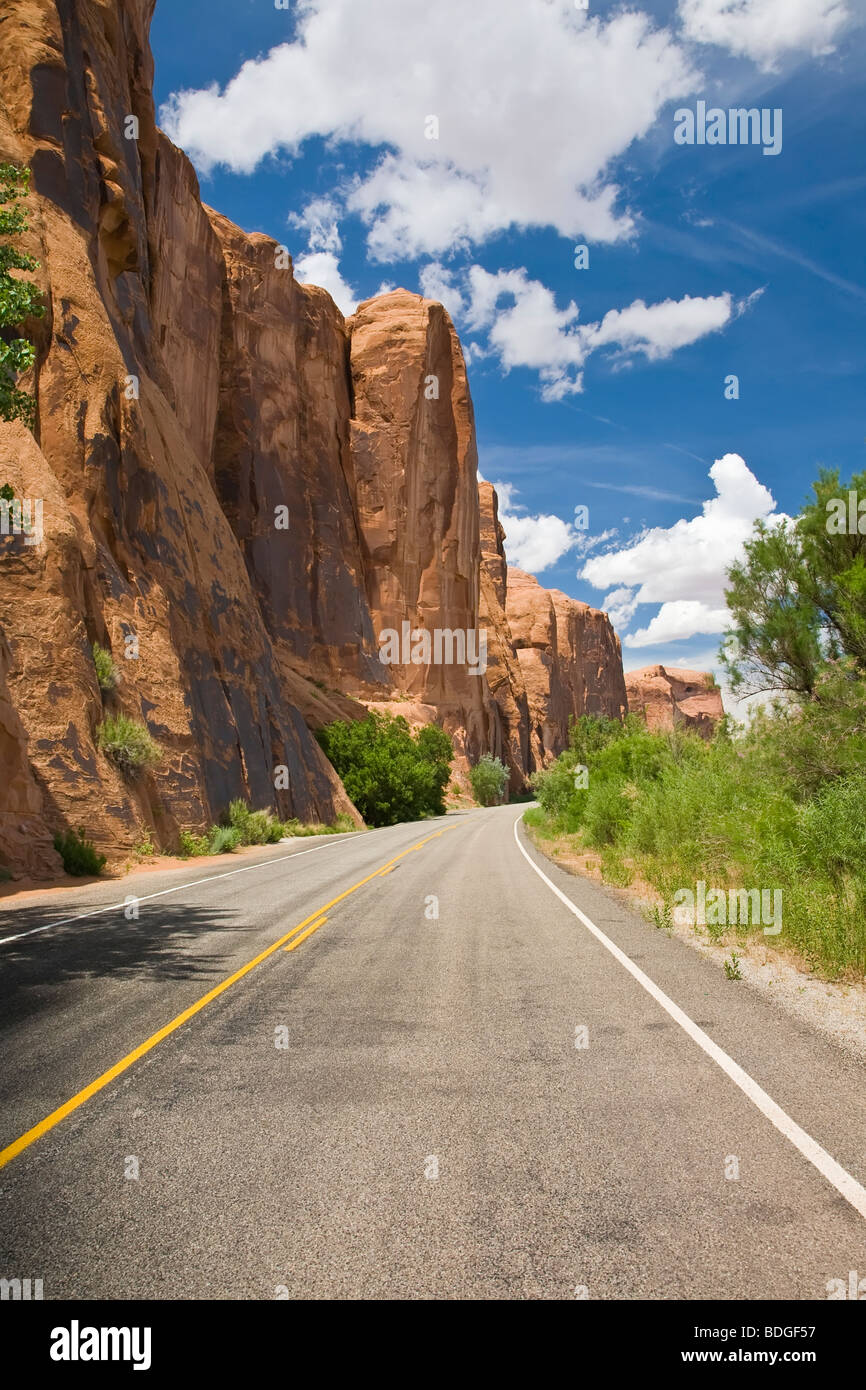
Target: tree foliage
[488,779]
[798,599]
[390,774]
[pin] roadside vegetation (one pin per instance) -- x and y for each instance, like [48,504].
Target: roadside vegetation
[243,826]
[391,774]
[488,779]
[80,856]
[779,803]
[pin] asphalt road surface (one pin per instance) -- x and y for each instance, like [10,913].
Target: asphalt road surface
[504,1100]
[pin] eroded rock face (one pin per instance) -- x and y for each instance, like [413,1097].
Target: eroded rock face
[414,464]
[570,659]
[504,673]
[670,698]
[28,850]
[135,541]
[282,441]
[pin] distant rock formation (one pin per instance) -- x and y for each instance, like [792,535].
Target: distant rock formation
[672,698]
[570,660]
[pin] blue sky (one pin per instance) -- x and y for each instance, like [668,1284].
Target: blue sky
[605,386]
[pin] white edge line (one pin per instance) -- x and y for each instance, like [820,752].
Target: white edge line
[827,1166]
[148,897]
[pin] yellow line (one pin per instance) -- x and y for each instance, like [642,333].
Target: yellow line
[44,1126]
[309,932]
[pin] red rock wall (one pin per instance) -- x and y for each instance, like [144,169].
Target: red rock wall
[136,540]
[415,466]
[570,659]
[504,674]
[669,697]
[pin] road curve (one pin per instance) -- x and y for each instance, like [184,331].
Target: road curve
[427,1126]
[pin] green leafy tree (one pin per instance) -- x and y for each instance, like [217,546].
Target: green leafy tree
[798,599]
[488,779]
[390,775]
[836,566]
[19,299]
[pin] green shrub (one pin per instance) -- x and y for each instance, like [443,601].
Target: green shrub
[293,827]
[390,774]
[107,673]
[607,811]
[735,812]
[128,743]
[254,827]
[488,779]
[192,845]
[79,855]
[222,839]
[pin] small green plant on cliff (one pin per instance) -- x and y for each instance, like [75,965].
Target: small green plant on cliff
[128,743]
[488,779]
[7,493]
[80,856]
[107,673]
[19,300]
[145,847]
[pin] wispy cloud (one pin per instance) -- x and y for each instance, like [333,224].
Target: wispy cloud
[655,494]
[774,247]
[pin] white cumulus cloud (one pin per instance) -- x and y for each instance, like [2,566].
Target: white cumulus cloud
[320,264]
[323,268]
[766,30]
[657,330]
[684,567]
[534,102]
[523,326]
[532,543]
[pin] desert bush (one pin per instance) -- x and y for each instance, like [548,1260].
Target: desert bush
[488,779]
[80,856]
[107,673]
[128,743]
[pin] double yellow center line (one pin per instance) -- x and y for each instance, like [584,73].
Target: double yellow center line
[313,922]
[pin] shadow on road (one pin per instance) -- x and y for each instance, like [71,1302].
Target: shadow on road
[34,970]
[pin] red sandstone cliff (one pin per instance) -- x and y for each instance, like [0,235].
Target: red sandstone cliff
[504,674]
[672,698]
[249,485]
[127,382]
[570,659]
[415,466]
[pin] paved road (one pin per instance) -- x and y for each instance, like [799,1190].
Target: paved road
[415,1045]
